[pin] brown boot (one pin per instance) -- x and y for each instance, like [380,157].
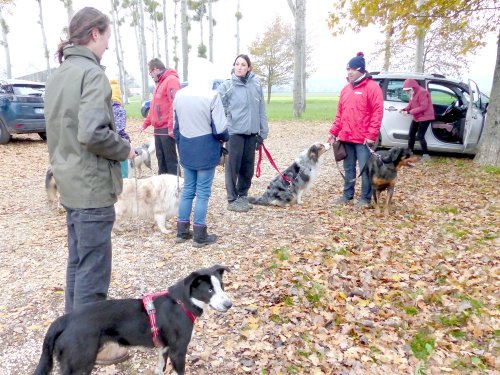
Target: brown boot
[110,354]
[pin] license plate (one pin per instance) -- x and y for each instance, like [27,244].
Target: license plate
[39,111]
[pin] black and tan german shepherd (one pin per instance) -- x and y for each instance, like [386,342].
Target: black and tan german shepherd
[382,168]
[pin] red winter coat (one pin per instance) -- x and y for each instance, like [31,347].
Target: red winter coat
[359,113]
[161,109]
[420,105]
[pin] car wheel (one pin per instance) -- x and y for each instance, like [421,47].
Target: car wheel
[144,112]
[43,135]
[4,134]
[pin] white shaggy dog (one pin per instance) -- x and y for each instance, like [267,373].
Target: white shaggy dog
[152,197]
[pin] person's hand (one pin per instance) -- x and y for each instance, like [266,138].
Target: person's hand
[132,153]
[370,143]
[331,139]
[259,142]
[403,112]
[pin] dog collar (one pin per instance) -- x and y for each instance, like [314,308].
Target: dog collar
[148,303]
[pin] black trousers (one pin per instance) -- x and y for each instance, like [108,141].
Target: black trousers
[88,270]
[166,152]
[421,129]
[240,163]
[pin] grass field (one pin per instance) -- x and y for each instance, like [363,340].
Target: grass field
[319,107]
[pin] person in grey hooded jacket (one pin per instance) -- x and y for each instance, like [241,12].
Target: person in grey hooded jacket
[243,102]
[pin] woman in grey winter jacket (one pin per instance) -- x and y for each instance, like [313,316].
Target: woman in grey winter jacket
[243,102]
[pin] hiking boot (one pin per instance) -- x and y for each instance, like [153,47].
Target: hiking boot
[342,201]
[110,354]
[362,203]
[183,232]
[237,206]
[245,203]
[425,158]
[200,236]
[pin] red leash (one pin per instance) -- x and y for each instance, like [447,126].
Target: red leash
[148,303]
[269,157]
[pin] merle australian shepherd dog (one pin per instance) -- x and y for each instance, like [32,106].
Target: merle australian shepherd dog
[299,178]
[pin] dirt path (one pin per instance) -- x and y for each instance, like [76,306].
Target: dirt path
[266,250]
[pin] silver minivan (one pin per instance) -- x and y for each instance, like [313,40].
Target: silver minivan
[459,108]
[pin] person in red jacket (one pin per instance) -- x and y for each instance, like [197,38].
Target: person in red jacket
[421,108]
[357,125]
[161,115]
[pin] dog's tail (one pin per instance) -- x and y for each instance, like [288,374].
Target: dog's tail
[262,201]
[151,147]
[147,159]
[47,357]
[50,186]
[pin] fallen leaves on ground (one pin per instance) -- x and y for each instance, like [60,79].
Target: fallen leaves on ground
[316,288]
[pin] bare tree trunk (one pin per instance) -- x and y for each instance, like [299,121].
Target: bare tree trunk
[210,32]
[489,147]
[69,8]
[165,33]
[238,16]
[119,50]
[68,4]
[142,47]
[184,37]
[175,37]
[419,54]
[157,36]
[299,12]
[387,47]
[303,58]
[44,38]
[5,44]
[269,87]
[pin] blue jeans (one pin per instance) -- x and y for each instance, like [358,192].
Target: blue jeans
[197,183]
[88,271]
[361,154]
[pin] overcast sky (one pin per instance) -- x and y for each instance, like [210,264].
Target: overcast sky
[330,55]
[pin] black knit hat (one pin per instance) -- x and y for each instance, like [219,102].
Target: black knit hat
[357,63]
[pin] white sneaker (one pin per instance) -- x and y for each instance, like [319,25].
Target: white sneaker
[425,158]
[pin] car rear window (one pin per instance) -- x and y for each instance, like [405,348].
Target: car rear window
[31,90]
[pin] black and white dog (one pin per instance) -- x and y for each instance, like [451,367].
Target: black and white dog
[299,178]
[143,158]
[75,338]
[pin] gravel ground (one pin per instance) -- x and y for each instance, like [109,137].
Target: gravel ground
[33,256]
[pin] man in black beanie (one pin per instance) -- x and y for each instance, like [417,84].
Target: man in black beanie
[357,125]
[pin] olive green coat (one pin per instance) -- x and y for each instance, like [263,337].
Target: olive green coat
[84,147]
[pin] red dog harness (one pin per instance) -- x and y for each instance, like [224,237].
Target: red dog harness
[148,302]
